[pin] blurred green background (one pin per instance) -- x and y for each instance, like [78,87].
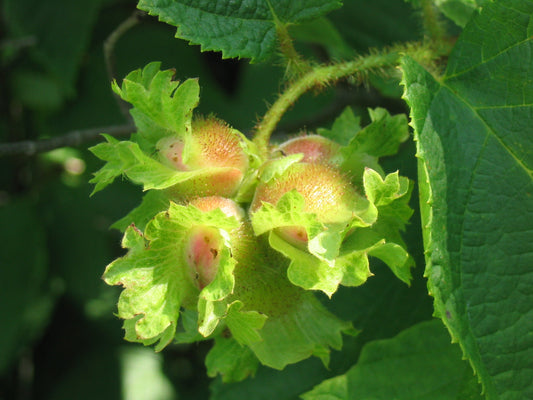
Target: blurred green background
[59,338]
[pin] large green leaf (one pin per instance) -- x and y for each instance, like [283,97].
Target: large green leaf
[420,363]
[242,28]
[475,142]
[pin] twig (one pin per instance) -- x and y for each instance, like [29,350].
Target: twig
[71,139]
[345,96]
[19,43]
[322,76]
[109,54]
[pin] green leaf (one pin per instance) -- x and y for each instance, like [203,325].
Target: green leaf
[391,196]
[237,28]
[162,339]
[162,107]
[289,211]
[476,178]
[306,328]
[459,11]
[313,270]
[153,202]
[381,191]
[308,271]
[344,128]
[187,331]
[382,137]
[419,363]
[396,258]
[231,360]
[276,167]
[156,278]
[127,158]
[244,325]
[209,315]
[280,324]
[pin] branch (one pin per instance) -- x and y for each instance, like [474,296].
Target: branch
[321,76]
[18,43]
[345,96]
[71,139]
[109,54]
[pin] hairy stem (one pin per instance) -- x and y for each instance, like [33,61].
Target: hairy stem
[319,76]
[432,22]
[324,75]
[296,65]
[18,43]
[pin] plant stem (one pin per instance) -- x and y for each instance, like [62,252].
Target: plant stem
[18,43]
[319,76]
[296,65]
[109,53]
[431,20]
[323,75]
[72,139]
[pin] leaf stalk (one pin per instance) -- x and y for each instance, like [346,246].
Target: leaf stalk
[432,21]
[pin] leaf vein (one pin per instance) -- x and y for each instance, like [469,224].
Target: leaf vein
[484,61]
[490,130]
